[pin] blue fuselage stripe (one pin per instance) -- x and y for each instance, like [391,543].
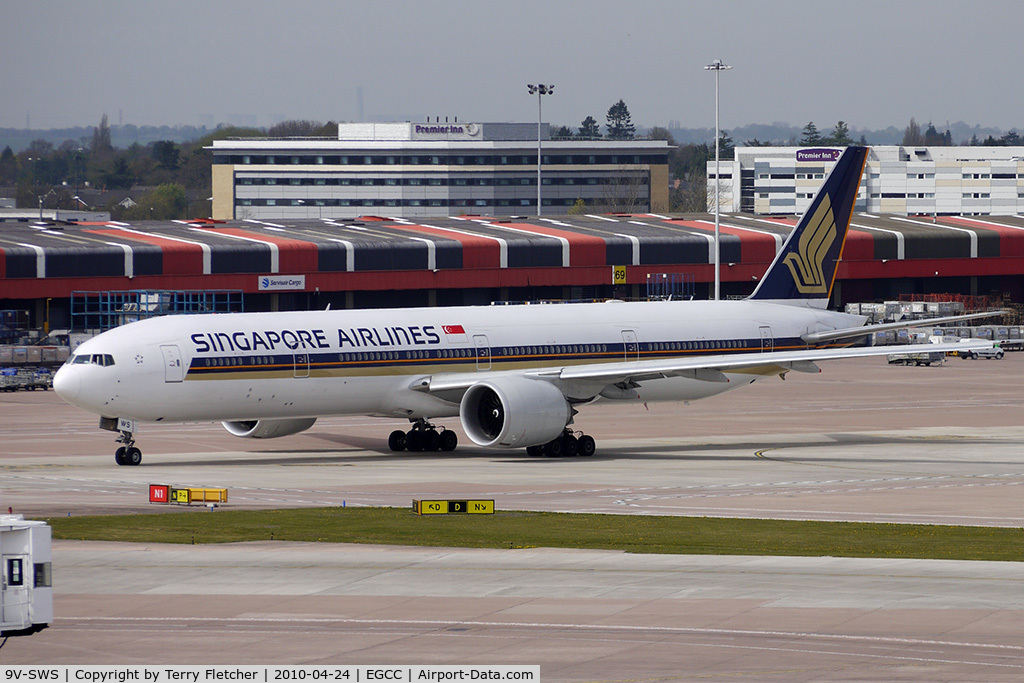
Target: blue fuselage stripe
[467,358]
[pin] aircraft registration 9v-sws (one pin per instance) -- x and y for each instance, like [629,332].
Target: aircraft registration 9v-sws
[515,376]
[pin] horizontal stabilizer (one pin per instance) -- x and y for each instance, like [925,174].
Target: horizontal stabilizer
[854,332]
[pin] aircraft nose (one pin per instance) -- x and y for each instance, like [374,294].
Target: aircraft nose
[67,383]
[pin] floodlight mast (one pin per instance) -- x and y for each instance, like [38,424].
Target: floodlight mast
[717,66]
[539,90]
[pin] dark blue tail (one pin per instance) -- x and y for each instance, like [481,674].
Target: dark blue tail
[805,268]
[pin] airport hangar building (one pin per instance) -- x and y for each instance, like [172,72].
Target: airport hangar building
[434,170]
[431,214]
[92,275]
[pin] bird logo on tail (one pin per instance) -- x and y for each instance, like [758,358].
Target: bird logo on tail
[806,264]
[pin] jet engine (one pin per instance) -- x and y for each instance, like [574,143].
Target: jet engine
[268,429]
[513,412]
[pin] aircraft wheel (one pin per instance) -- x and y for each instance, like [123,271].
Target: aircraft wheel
[133,456]
[535,451]
[396,441]
[431,440]
[587,445]
[414,441]
[570,446]
[449,440]
[119,456]
[553,448]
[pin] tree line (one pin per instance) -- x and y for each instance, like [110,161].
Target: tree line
[175,177]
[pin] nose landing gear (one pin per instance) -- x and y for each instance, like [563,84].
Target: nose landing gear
[127,454]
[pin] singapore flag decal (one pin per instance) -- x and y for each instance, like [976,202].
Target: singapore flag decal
[456,334]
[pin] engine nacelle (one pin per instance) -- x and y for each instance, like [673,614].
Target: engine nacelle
[268,429]
[513,412]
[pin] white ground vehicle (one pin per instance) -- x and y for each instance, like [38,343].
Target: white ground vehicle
[973,354]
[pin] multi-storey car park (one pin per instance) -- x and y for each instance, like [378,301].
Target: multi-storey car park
[944,181]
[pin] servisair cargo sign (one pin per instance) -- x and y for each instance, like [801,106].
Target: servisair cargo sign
[270,283]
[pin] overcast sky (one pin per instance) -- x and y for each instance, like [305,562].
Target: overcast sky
[872,63]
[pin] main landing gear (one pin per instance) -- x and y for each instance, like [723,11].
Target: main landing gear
[127,454]
[423,437]
[567,445]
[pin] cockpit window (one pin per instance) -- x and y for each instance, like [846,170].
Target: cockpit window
[104,359]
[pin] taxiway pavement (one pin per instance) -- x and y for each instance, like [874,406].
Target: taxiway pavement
[861,441]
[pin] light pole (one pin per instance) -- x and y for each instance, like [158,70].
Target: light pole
[43,199]
[78,158]
[539,90]
[717,66]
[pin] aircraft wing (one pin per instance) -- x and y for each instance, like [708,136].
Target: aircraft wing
[853,332]
[706,367]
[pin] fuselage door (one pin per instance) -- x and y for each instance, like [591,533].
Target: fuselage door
[483,352]
[301,364]
[174,369]
[767,340]
[14,603]
[630,345]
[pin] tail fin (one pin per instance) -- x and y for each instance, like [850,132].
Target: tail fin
[804,270]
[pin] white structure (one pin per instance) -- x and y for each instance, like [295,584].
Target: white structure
[897,179]
[31,215]
[434,169]
[26,599]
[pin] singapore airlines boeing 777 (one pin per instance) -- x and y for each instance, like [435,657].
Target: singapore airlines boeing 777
[514,375]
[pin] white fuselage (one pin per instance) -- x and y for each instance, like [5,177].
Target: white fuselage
[248,366]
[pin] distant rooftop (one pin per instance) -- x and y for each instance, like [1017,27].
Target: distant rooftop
[9,215]
[503,132]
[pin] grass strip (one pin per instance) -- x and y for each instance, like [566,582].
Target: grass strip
[628,533]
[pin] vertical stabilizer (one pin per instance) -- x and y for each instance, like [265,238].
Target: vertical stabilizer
[804,270]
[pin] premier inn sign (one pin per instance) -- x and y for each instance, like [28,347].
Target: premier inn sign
[445,131]
[818,154]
